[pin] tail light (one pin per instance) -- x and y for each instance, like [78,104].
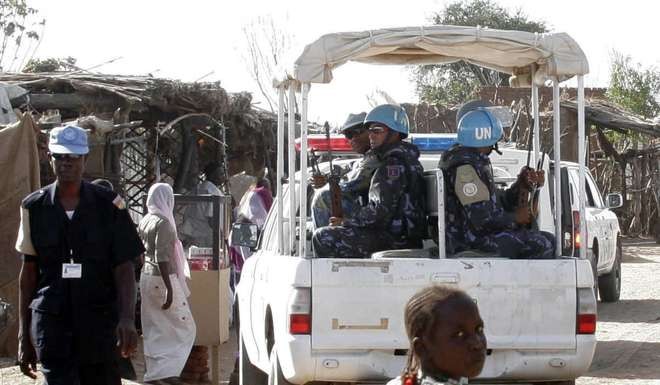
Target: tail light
[586,311]
[576,231]
[300,324]
[300,311]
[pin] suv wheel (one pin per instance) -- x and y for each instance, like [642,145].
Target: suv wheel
[610,283]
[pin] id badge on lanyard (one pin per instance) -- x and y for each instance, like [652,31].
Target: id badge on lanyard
[71,270]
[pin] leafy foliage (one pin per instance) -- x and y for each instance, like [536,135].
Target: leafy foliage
[455,83]
[18,30]
[633,87]
[50,65]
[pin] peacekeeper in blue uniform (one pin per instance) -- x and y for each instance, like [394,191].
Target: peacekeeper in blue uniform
[354,184]
[478,215]
[77,284]
[394,216]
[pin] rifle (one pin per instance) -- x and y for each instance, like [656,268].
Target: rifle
[528,194]
[333,181]
[314,160]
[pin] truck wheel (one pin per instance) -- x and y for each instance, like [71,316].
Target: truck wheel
[275,376]
[594,267]
[248,373]
[610,283]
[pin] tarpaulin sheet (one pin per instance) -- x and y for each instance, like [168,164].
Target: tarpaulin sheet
[19,170]
[553,54]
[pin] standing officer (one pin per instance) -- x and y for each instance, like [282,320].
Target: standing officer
[354,184]
[394,216]
[475,217]
[77,284]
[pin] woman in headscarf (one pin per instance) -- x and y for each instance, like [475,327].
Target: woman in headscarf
[167,324]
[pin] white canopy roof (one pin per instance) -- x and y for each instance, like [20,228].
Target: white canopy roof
[555,54]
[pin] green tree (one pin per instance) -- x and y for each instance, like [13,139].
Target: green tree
[634,88]
[19,37]
[51,65]
[455,83]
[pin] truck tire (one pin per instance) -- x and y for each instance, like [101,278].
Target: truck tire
[275,376]
[570,382]
[610,283]
[593,259]
[248,373]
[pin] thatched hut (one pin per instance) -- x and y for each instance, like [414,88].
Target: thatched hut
[143,127]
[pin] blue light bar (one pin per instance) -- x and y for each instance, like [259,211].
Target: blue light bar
[433,142]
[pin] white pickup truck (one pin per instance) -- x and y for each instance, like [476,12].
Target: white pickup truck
[341,320]
[305,320]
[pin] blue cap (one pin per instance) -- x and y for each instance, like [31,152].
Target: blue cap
[68,140]
[353,121]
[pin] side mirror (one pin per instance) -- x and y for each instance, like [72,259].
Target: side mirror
[614,201]
[244,234]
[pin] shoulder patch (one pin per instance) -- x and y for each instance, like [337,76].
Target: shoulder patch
[393,171]
[119,202]
[469,187]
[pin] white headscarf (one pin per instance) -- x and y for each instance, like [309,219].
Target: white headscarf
[160,201]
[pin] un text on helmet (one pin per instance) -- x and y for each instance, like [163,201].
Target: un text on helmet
[482,133]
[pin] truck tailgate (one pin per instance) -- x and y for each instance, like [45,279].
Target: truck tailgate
[525,304]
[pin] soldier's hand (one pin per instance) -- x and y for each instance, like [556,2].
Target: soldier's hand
[523,216]
[336,221]
[168,300]
[540,178]
[525,176]
[318,181]
[27,358]
[126,337]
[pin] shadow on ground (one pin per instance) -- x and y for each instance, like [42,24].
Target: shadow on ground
[640,360]
[630,311]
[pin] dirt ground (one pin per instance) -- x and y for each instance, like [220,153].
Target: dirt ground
[628,350]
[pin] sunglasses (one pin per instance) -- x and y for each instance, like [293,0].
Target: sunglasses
[350,134]
[66,156]
[377,130]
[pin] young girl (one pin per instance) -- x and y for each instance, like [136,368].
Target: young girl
[447,341]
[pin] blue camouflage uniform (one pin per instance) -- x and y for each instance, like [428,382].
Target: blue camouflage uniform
[485,222]
[394,216]
[354,186]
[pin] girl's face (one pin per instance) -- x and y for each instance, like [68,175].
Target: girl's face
[455,345]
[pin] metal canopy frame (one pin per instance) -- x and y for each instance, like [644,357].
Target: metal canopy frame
[297,196]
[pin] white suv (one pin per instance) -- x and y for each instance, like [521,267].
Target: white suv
[603,231]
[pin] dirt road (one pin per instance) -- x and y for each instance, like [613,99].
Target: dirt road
[628,350]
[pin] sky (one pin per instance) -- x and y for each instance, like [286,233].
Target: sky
[188,40]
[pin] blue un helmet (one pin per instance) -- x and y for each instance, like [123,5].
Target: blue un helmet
[394,117]
[471,106]
[479,128]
